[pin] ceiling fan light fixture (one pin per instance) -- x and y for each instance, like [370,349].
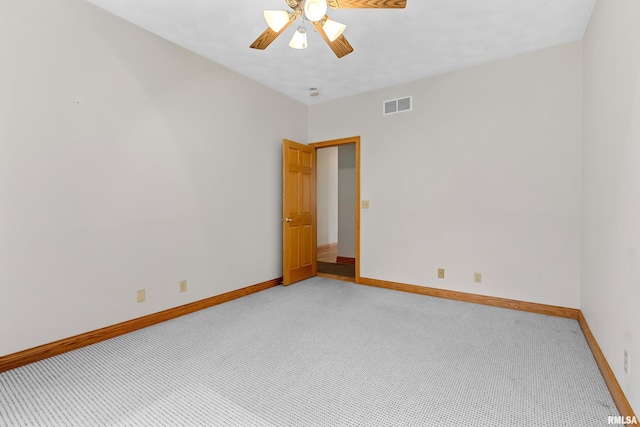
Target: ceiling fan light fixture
[299,39]
[333,29]
[314,10]
[276,19]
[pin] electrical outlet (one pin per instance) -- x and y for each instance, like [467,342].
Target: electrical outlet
[141,295]
[626,362]
[183,286]
[477,277]
[441,273]
[365,204]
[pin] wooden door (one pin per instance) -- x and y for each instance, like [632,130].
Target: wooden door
[298,211]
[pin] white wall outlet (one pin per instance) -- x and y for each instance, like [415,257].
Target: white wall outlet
[183,286]
[365,204]
[141,295]
[441,273]
[477,277]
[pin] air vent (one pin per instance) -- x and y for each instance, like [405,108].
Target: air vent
[399,105]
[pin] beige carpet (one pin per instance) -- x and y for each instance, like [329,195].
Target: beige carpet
[322,353]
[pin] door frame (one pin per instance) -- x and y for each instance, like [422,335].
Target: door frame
[335,143]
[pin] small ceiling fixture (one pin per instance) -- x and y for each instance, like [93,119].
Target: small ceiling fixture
[315,11]
[299,39]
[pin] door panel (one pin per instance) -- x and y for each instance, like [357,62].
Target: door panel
[298,210]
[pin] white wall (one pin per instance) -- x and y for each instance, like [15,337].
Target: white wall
[116,149]
[484,175]
[327,195]
[126,163]
[611,201]
[347,200]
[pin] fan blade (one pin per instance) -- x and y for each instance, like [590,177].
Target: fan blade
[367,4]
[339,46]
[269,35]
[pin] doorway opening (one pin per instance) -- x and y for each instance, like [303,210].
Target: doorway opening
[337,199]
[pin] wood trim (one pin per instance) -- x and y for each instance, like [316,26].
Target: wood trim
[344,141]
[35,354]
[551,310]
[345,260]
[616,391]
[45,351]
[336,142]
[607,373]
[358,201]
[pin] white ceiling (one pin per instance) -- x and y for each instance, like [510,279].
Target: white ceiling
[391,46]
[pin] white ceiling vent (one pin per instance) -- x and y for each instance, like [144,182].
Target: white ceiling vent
[399,105]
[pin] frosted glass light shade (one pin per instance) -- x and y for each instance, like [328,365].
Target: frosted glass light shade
[276,19]
[315,10]
[333,29]
[299,39]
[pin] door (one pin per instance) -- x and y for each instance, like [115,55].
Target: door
[298,211]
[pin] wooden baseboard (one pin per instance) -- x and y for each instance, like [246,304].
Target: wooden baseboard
[551,310]
[612,383]
[609,378]
[345,260]
[35,354]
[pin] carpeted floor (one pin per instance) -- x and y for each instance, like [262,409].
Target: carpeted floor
[322,353]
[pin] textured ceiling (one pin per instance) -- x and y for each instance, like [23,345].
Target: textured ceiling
[391,46]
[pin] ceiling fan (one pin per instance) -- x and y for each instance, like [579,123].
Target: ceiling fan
[315,11]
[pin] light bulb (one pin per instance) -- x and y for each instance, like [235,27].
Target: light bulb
[315,10]
[299,39]
[276,19]
[333,29]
